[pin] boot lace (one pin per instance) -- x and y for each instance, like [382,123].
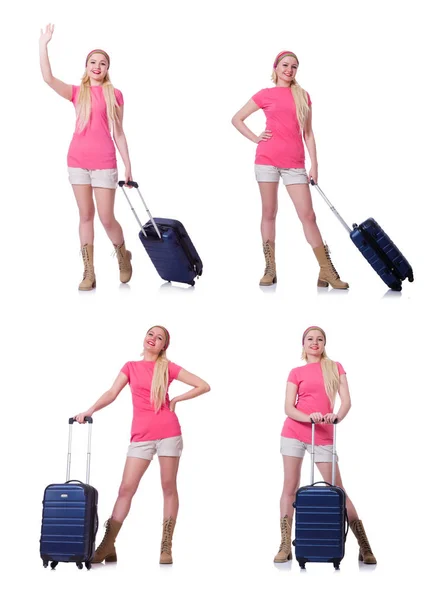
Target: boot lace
[284,545]
[120,258]
[88,272]
[106,536]
[327,253]
[166,542]
[362,539]
[269,269]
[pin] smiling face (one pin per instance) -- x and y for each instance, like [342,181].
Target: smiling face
[314,343]
[155,341]
[97,67]
[286,69]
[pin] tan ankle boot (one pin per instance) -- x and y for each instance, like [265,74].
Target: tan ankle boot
[166,542]
[107,550]
[89,279]
[365,553]
[285,552]
[327,273]
[124,257]
[270,276]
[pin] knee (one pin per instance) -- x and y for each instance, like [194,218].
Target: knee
[269,214]
[107,221]
[86,216]
[309,218]
[127,490]
[169,487]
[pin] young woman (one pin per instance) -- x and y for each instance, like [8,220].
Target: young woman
[155,430]
[280,152]
[310,394]
[91,157]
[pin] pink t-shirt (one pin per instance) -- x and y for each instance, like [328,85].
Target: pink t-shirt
[311,397]
[146,423]
[285,149]
[93,147]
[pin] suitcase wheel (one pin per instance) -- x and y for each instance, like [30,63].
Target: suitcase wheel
[79,565]
[410,276]
[88,565]
[302,564]
[336,564]
[396,288]
[192,283]
[53,564]
[45,563]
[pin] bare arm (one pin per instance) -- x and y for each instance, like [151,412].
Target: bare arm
[309,140]
[121,143]
[61,88]
[238,122]
[289,406]
[107,398]
[199,386]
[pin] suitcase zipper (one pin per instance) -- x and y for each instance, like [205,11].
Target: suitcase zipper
[390,266]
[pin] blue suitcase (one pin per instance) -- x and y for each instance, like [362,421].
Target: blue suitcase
[168,245]
[70,521]
[321,522]
[378,249]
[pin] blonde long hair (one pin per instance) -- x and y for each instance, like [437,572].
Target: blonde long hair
[83,110]
[330,373]
[299,94]
[160,379]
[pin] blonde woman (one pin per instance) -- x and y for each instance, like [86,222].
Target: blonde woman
[310,395]
[91,158]
[280,153]
[155,430]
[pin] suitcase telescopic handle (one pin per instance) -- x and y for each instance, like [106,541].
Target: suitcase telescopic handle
[312,453]
[135,185]
[129,183]
[332,208]
[71,421]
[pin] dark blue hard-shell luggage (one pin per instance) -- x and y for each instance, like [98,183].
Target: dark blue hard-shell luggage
[321,522]
[168,245]
[378,249]
[70,521]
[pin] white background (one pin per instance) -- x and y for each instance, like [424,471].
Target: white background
[185,69]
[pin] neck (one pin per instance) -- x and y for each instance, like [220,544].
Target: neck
[281,83]
[149,356]
[313,359]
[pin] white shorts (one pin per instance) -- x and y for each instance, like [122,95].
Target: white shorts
[293,447]
[268,173]
[102,178]
[171,446]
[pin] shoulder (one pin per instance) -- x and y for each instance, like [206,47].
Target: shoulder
[341,369]
[295,374]
[173,369]
[119,96]
[261,95]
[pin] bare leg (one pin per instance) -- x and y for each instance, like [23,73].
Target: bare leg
[132,474]
[105,207]
[302,200]
[169,470]
[84,200]
[326,471]
[268,192]
[292,472]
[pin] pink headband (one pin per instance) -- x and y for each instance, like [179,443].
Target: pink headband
[310,329]
[281,55]
[98,51]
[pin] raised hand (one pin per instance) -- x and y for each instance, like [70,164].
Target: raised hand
[46,35]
